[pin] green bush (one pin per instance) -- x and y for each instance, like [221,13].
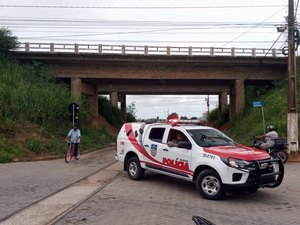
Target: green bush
[218,119]
[213,115]
[113,115]
[34,145]
[8,151]
[95,138]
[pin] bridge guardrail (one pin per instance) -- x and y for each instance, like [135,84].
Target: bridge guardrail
[147,50]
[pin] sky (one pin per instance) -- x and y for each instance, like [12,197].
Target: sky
[215,23]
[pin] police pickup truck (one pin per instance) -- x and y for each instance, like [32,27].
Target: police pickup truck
[203,155]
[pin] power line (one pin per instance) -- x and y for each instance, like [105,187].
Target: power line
[253,27]
[140,7]
[130,22]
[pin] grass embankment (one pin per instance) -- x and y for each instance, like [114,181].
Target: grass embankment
[34,119]
[250,124]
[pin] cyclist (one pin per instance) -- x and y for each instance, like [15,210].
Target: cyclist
[75,135]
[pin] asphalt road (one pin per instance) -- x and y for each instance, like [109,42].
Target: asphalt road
[155,200]
[162,200]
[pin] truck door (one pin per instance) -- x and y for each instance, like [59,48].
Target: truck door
[153,146]
[177,158]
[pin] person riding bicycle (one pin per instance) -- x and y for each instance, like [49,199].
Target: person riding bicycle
[269,138]
[74,134]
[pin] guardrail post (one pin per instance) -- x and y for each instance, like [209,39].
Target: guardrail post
[168,50]
[100,49]
[212,51]
[146,50]
[190,51]
[123,50]
[254,52]
[233,52]
[76,49]
[52,47]
[274,53]
[27,47]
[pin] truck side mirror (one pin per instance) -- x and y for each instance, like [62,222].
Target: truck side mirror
[184,144]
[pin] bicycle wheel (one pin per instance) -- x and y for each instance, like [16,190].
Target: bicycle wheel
[68,155]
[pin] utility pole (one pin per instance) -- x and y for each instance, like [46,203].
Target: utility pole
[292,126]
[207,102]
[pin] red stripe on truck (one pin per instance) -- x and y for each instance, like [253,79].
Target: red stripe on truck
[136,144]
[130,134]
[238,151]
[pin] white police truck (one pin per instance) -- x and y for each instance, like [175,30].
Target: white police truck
[205,156]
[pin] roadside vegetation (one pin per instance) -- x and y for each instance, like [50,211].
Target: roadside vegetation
[114,115]
[34,116]
[249,123]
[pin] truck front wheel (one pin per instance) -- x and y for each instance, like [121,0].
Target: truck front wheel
[134,169]
[209,185]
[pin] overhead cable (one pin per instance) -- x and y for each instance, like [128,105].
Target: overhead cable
[139,7]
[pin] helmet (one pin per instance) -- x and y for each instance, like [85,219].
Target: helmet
[270,128]
[75,127]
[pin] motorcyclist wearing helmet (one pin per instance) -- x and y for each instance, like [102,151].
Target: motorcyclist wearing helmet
[268,138]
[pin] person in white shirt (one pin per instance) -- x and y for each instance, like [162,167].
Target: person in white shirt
[268,138]
[74,135]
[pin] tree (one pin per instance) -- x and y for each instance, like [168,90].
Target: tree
[131,109]
[131,112]
[8,42]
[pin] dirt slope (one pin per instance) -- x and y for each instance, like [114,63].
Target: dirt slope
[102,123]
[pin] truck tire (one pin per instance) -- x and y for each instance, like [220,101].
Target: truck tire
[209,185]
[134,169]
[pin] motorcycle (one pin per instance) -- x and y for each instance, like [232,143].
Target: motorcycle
[279,149]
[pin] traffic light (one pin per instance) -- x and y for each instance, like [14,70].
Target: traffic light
[73,109]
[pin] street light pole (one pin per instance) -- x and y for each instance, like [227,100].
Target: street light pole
[292,126]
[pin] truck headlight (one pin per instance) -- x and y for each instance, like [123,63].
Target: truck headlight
[241,164]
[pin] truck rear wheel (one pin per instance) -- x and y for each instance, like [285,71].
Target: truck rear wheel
[209,185]
[134,169]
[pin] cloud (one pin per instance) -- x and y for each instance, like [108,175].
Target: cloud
[151,106]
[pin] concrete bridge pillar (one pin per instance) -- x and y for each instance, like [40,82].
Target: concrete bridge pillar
[123,106]
[237,97]
[95,104]
[76,88]
[222,102]
[114,99]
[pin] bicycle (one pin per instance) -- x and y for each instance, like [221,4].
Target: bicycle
[71,152]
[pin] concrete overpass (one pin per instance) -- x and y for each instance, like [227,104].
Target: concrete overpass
[137,70]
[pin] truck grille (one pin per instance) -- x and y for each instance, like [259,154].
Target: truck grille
[269,172]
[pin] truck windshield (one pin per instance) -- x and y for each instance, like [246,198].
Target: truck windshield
[210,138]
